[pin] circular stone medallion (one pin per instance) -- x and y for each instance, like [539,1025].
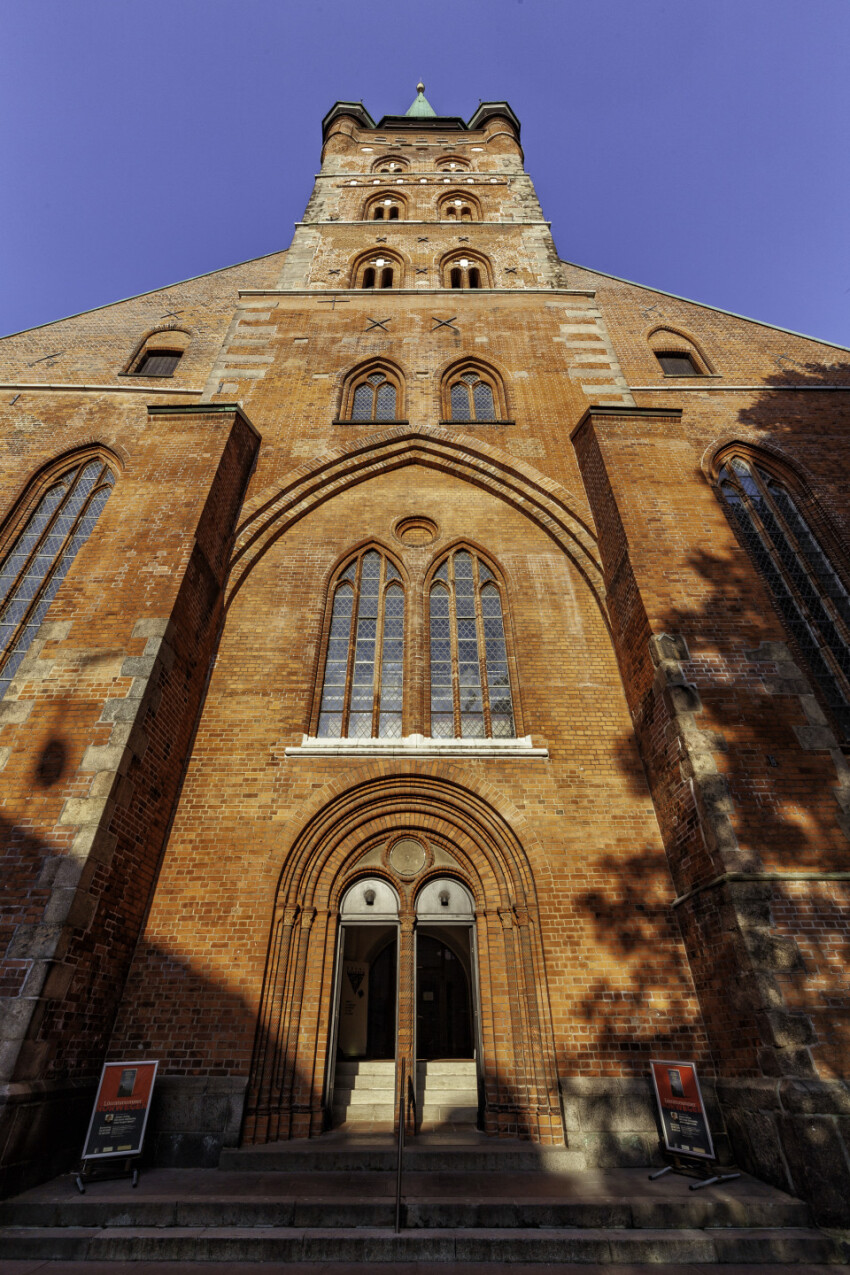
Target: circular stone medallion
[407,857]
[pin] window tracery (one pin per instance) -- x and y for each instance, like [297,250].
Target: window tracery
[472,395]
[42,552]
[810,595]
[470,682]
[363,684]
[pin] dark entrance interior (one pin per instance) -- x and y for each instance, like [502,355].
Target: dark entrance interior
[443,1002]
[367,994]
[380,1035]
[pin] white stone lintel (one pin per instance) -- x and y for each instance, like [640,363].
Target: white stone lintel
[415,746]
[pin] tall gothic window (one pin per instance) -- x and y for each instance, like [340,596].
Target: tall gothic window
[362,692]
[808,592]
[41,554]
[470,683]
[471,398]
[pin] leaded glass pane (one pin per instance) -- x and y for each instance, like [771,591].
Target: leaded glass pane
[442,699]
[375,378]
[795,591]
[42,554]
[484,407]
[392,666]
[386,403]
[362,407]
[460,403]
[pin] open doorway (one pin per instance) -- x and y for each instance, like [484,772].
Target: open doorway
[361,1079]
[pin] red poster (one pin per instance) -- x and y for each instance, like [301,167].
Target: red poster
[117,1126]
[682,1110]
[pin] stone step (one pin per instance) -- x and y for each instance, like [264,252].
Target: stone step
[613,1246]
[366,1067]
[313,1202]
[308,1157]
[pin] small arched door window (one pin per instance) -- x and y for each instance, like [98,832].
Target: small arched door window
[809,594]
[471,399]
[470,683]
[374,399]
[41,554]
[362,689]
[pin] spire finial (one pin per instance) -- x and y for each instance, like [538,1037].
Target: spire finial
[420,87]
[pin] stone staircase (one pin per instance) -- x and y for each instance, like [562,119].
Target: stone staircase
[364,1092]
[332,1200]
[446,1093]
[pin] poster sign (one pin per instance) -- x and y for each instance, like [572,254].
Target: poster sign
[117,1125]
[682,1110]
[354,1009]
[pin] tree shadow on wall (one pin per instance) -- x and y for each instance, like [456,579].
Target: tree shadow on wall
[784,811]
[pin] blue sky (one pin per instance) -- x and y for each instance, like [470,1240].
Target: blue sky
[698,147]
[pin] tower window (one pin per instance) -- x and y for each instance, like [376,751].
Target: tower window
[677,363]
[41,556]
[472,399]
[378,273]
[810,596]
[464,272]
[374,399]
[470,682]
[362,690]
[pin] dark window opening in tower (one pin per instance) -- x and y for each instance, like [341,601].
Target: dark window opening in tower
[474,277]
[456,278]
[387,277]
[378,214]
[394,213]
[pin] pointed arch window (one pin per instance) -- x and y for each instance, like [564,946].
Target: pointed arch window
[470,682]
[374,399]
[362,689]
[810,596]
[471,398]
[372,393]
[41,554]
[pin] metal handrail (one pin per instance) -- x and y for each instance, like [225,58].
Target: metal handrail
[407,1097]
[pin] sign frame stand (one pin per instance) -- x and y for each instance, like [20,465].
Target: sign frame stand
[119,1115]
[684,1161]
[87,1173]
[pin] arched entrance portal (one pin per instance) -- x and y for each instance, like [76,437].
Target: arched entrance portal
[374,991]
[415,891]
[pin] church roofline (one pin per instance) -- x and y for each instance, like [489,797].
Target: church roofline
[477,120]
[148,292]
[704,305]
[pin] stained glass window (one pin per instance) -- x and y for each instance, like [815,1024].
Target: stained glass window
[374,399]
[472,399]
[41,555]
[470,682]
[362,691]
[809,594]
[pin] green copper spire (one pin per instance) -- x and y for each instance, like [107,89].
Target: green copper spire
[421,108]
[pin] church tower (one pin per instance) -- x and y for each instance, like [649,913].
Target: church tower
[424,659]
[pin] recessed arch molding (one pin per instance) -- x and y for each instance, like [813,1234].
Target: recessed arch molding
[325,846]
[554,509]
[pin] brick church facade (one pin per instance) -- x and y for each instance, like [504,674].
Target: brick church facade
[416,646]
